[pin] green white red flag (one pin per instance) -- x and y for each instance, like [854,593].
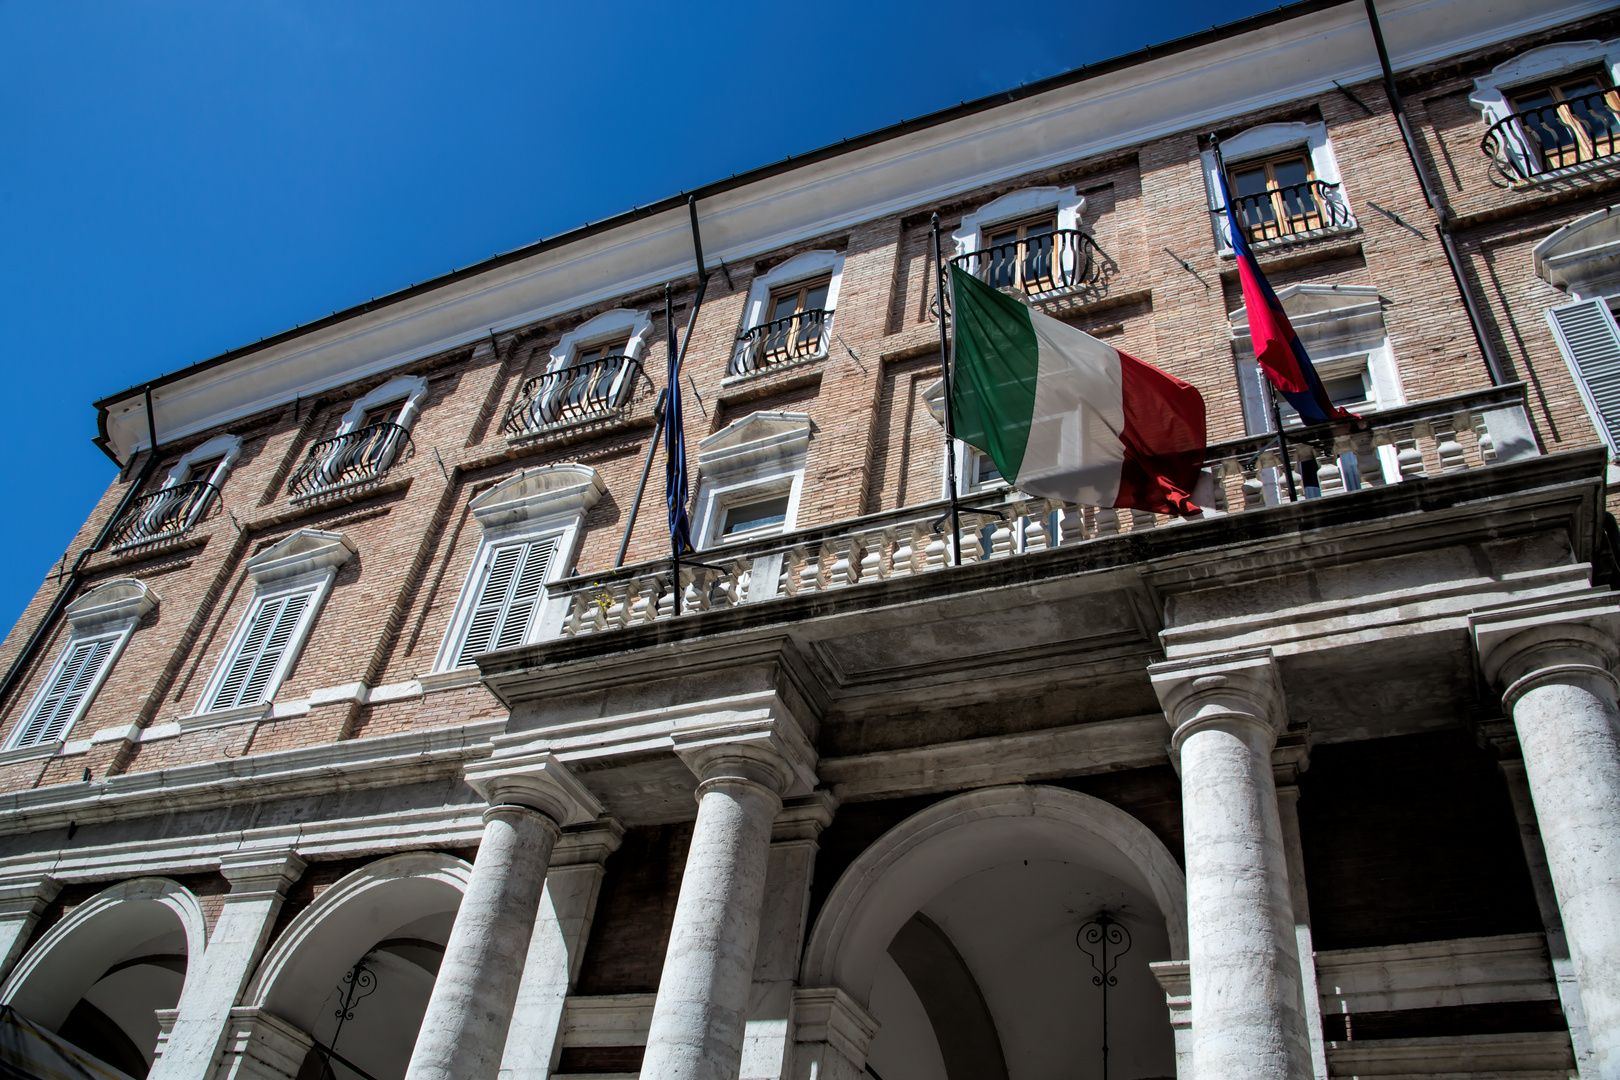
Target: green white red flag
[1065,416]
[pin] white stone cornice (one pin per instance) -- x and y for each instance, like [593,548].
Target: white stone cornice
[546,492]
[257,872]
[122,600]
[1508,638]
[829,1015]
[408,758]
[26,894]
[304,552]
[767,748]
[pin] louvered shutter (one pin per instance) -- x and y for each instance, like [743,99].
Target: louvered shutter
[67,691]
[508,599]
[1590,340]
[248,675]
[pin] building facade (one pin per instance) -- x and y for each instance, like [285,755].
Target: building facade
[366,730]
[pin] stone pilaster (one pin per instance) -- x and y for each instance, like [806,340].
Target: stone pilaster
[22,901]
[1247,1016]
[700,1017]
[1291,757]
[464,1030]
[259,882]
[561,929]
[1553,662]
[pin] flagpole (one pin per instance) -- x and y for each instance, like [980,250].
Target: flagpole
[675,443]
[950,427]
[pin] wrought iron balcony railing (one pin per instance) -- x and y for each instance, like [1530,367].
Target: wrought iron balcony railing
[800,336]
[1468,431]
[1530,144]
[345,461]
[1051,264]
[572,395]
[1295,212]
[164,514]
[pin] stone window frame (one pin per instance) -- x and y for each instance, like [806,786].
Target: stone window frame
[805,266]
[1493,92]
[1266,141]
[307,562]
[1064,203]
[532,504]
[109,612]
[758,457]
[634,327]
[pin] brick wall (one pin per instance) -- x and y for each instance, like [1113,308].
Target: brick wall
[635,911]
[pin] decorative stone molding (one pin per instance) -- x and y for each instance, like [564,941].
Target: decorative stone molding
[1014,206]
[768,749]
[543,493]
[410,389]
[227,448]
[124,600]
[757,457]
[607,327]
[260,1045]
[1583,257]
[306,551]
[1202,691]
[1522,645]
[807,265]
[254,873]
[828,1015]
[536,780]
[1265,140]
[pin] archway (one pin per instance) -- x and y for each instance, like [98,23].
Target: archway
[982,896]
[98,975]
[355,969]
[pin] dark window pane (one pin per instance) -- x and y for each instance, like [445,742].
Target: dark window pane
[985,470]
[817,297]
[1291,172]
[755,515]
[784,306]
[1345,391]
[1249,182]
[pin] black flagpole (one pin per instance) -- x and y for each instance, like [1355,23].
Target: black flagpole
[950,427]
[677,441]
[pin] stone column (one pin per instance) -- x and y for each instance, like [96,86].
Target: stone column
[1554,662]
[1247,1018]
[464,1030]
[561,929]
[701,1013]
[259,882]
[22,901]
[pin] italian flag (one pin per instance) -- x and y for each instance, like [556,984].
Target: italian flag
[1065,416]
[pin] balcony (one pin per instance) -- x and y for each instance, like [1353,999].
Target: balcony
[572,396]
[349,461]
[1332,461]
[164,515]
[1296,212]
[1555,140]
[1043,266]
[783,342]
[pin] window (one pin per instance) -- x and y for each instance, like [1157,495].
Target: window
[1551,109]
[588,375]
[1275,197]
[512,590]
[100,623]
[190,490]
[749,477]
[370,438]
[1285,181]
[290,581]
[1028,240]
[531,523]
[1020,256]
[788,317]
[1570,121]
[1589,338]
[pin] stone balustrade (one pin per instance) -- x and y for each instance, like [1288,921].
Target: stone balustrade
[1468,431]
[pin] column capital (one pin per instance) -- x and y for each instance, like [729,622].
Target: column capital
[1229,688]
[827,1014]
[762,746]
[1524,644]
[803,819]
[538,780]
[260,872]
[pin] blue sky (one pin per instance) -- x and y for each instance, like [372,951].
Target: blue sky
[179,178]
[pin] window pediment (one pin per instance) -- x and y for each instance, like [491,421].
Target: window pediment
[754,441]
[608,326]
[304,552]
[124,599]
[1583,257]
[1063,202]
[1330,319]
[1546,62]
[547,491]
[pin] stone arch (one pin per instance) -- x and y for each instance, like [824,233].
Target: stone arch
[962,835]
[345,922]
[129,948]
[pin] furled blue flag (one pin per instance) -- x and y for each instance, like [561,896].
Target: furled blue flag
[1276,345]
[680,529]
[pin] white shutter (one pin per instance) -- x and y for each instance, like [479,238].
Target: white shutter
[1257,418]
[248,673]
[59,705]
[508,599]
[1590,341]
